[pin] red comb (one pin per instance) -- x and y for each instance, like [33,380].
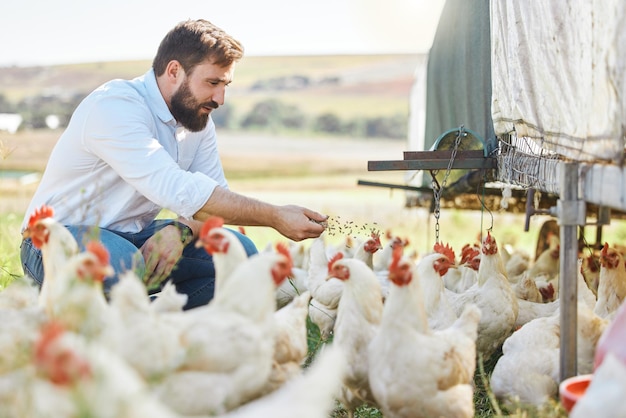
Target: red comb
[445,250]
[605,249]
[469,255]
[41,213]
[396,256]
[283,249]
[99,250]
[332,260]
[49,332]
[210,223]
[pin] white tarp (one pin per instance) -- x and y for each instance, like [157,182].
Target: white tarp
[558,75]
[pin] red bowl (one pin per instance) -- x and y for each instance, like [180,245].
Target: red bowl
[571,389]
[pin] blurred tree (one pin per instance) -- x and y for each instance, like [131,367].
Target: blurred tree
[328,123]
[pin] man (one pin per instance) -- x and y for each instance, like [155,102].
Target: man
[134,147]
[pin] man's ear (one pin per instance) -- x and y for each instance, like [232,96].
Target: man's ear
[174,72]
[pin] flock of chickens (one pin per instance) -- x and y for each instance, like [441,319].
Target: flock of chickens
[403,332]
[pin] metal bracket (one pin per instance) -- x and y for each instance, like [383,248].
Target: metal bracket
[531,210]
[571,212]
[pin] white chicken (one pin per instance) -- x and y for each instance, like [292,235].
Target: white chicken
[591,271]
[526,288]
[169,299]
[494,297]
[611,283]
[413,370]
[545,269]
[358,318]
[383,257]
[529,310]
[21,293]
[516,262]
[529,370]
[19,330]
[22,318]
[295,285]
[80,305]
[76,377]
[230,342]
[367,248]
[431,269]
[149,340]
[225,248]
[291,341]
[461,277]
[547,263]
[604,396]
[385,260]
[325,294]
[57,246]
[309,395]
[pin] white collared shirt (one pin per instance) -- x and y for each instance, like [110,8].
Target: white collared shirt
[123,158]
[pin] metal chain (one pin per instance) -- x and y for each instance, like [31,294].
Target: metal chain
[437,188]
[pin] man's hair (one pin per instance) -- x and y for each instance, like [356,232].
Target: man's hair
[194,41]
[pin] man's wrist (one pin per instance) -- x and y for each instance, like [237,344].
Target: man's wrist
[186,233]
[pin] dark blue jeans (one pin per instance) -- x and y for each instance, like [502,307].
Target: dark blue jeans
[193,275]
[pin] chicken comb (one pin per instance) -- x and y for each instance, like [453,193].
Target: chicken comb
[605,249]
[376,236]
[49,332]
[100,251]
[445,250]
[282,248]
[41,213]
[332,260]
[210,223]
[469,254]
[467,248]
[396,256]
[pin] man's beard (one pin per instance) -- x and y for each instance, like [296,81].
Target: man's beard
[186,109]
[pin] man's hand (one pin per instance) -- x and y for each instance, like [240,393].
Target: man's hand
[298,223]
[161,252]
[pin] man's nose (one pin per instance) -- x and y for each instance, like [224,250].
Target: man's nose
[219,96]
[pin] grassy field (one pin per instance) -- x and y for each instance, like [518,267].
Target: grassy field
[362,85]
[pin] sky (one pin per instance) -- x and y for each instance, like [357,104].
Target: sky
[49,32]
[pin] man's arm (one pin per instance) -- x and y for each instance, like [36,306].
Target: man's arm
[294,222]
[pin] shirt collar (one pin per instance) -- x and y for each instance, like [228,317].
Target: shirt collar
[156,100]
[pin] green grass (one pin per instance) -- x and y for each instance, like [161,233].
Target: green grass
[10,238]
